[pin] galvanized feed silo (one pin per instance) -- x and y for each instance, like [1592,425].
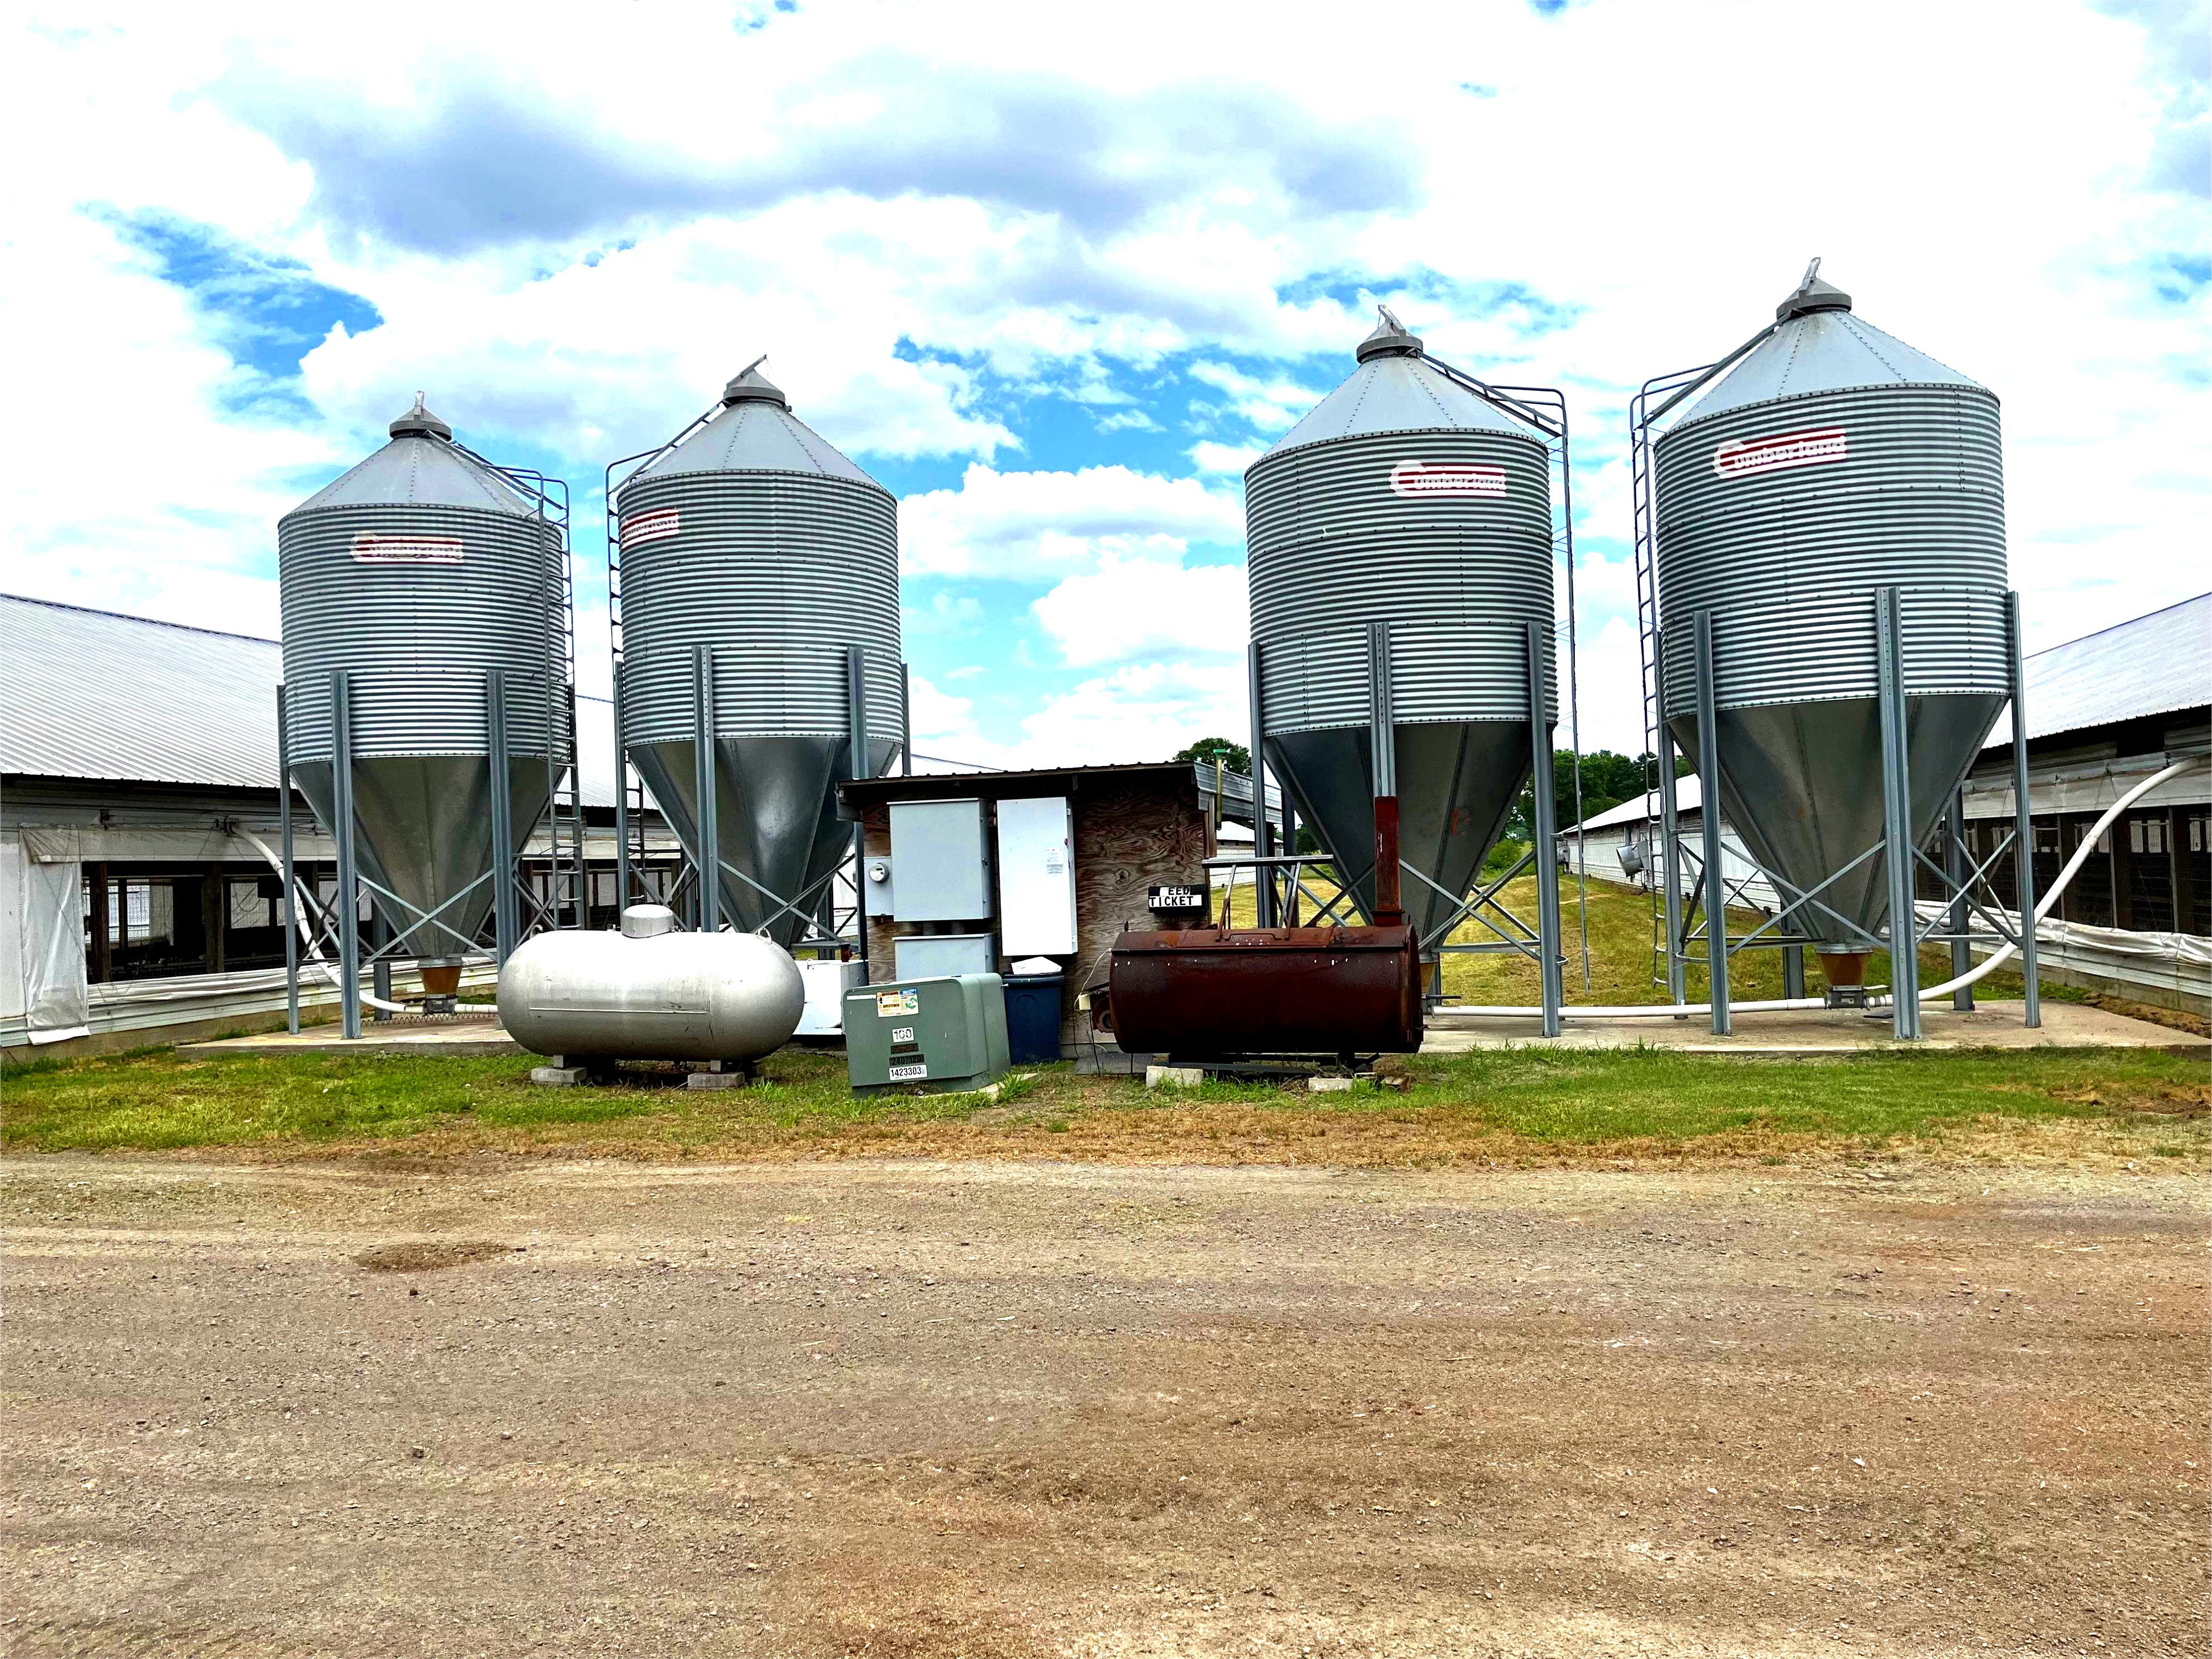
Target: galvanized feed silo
[1833,461]
[752,538]
[1406,499]
[423,577]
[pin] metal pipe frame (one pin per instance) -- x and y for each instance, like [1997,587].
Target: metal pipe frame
[1962,958]
[1897,819]
[1263,839]
[289,914]
[349,896]
[1709,822]
[856,722]
[2023,820]
[1544,836]
[506,918]
[707,857]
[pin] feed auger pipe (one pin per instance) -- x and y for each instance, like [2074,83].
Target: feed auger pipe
[1932,993]
[315,957]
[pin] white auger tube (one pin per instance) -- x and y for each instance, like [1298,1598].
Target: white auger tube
[315,958]
[1675,1009]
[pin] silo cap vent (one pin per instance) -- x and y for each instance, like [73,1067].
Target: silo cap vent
[1389,339]
[420,422]
[1812,295]
[750,383]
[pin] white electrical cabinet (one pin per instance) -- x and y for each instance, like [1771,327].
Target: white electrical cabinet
[1036,878]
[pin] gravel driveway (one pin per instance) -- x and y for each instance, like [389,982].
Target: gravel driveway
[906,1409]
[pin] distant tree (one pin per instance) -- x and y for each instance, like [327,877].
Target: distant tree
[1608,779]
[1234,757]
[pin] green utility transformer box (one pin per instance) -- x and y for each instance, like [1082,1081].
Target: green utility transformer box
[940,1034]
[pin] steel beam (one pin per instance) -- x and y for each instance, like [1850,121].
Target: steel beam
[287,912]
[1956,868]
[856,724]
[1897,820]
[622,874]
[706,857]
[1544,833]
[2023,819]
[506,918]
[1670,846]
[1263,839]
[1709,822]
[348,899]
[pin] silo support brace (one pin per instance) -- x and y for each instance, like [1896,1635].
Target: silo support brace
[707,854]
[1545,834]
[288,917]
[2023,855]
[1709,825]
[503,908]
[856,723]
[621,804]
[1263,841]
[1670,841]
[349,896]
[1897,818]
[1956,869]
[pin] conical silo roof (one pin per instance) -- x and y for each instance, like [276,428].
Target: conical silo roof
[756,431]
[422,467]
[1395,389]
[1817,346]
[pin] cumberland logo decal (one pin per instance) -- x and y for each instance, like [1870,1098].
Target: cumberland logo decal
[1417,478]
[369,549]
[649,527]
[1742,457]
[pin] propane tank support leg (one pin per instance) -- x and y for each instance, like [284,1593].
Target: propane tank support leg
[286,914]
[706,856]
[1897,813]
[505,922]
[2023,845]
[1956,865]
[1544,833]
[349,879]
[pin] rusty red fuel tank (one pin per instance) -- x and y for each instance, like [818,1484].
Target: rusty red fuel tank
[1215,993]
[1220,993]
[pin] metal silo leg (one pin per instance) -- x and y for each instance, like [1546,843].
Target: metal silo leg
[1263,842]
[349,880]
[1709,824]
[1545,833]
[503,917]
[287,914]
[1897,812]
[1962,957]
[2023,846]
[707,854]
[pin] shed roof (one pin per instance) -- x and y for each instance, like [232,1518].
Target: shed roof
[100,697]
[2151,664]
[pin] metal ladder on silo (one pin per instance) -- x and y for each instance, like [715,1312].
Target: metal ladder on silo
[1643,536]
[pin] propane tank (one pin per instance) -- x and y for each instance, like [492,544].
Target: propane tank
[650,991]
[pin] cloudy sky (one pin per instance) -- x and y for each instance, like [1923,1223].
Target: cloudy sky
[1054,274]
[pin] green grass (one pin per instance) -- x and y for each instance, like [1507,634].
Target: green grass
[1465,1105]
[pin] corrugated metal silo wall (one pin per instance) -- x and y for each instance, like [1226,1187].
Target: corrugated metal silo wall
[1784,518]
[779,572]
[1333,548]
[419,604]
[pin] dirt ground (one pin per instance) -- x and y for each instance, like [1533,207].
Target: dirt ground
[511,1406]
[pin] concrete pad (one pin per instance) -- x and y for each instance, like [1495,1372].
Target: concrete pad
[1174,1077]
[1329,1085]
[1820,1031]
[472,1037]
[716,1080]
[556,1076]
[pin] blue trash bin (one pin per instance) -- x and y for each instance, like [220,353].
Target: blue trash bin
[1033,1018]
